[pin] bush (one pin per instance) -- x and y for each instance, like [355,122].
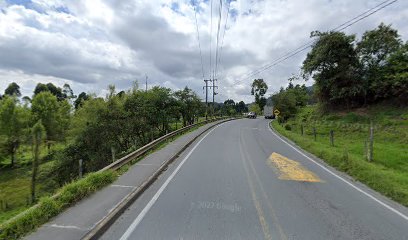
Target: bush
[288,127]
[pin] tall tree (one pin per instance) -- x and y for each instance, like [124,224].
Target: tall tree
[374,49]
[80,99]
[40,88]
[45,107]
[49,87]
[38,135]
[395,81]
[11,125]
[259,88]
[190,105]
[333,64]
[241,107]
[13,89]
[67,92]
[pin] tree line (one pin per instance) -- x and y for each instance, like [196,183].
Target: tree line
[350,73]
[90,128]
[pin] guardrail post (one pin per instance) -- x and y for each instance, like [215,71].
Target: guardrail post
[113,154]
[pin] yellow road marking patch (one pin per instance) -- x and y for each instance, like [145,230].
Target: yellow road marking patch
[291,170]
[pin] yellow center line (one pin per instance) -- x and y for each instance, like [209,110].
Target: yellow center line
[291,170]
[271,209]
[264,224]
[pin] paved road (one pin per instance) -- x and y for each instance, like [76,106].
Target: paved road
[241,181]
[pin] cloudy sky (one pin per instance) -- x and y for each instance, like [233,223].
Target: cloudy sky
[90,44]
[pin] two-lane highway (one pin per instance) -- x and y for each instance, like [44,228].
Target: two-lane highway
[242,181]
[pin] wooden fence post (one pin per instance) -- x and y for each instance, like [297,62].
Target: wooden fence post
[314,133]
[371,143]
[332,138]
[80,168]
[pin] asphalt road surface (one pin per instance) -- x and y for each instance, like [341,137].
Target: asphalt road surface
[241,181]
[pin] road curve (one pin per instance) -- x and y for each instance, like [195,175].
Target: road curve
[241,181]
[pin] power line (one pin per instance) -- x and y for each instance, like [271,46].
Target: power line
[211,38]
[309,44]
[343,24]
[223,35]
[198,39]
[218,36]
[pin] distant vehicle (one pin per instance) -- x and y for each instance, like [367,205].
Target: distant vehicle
[252,115]
[268,112]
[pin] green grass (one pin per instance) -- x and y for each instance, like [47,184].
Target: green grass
[49,207]
[15,189]
[387,174]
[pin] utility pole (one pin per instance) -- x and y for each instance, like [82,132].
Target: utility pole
[214,93]
[206,96]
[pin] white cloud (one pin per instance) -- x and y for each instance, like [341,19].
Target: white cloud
[93,43]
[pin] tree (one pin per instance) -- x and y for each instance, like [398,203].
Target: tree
[189,105]
[255,108]
[374,50]
[53,115]
[38,135]
[67,92]
[13,89]
[241,107]
[333,64]
[285,101]
[229,107]
[49,87]
[40,88]
[81,98]
[395,81]
[11,126]
[259,88]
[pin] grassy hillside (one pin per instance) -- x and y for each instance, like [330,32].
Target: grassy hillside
[387,173]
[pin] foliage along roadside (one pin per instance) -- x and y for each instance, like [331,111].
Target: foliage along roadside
[384,179]
[49,207]
[71,193]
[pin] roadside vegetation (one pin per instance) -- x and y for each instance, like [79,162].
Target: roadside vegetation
[43,137]
[386,173]
[355,115]
[49,207]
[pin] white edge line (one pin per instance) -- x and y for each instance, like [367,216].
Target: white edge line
[342,179]
[64,226]
[122,186]
[141,215]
